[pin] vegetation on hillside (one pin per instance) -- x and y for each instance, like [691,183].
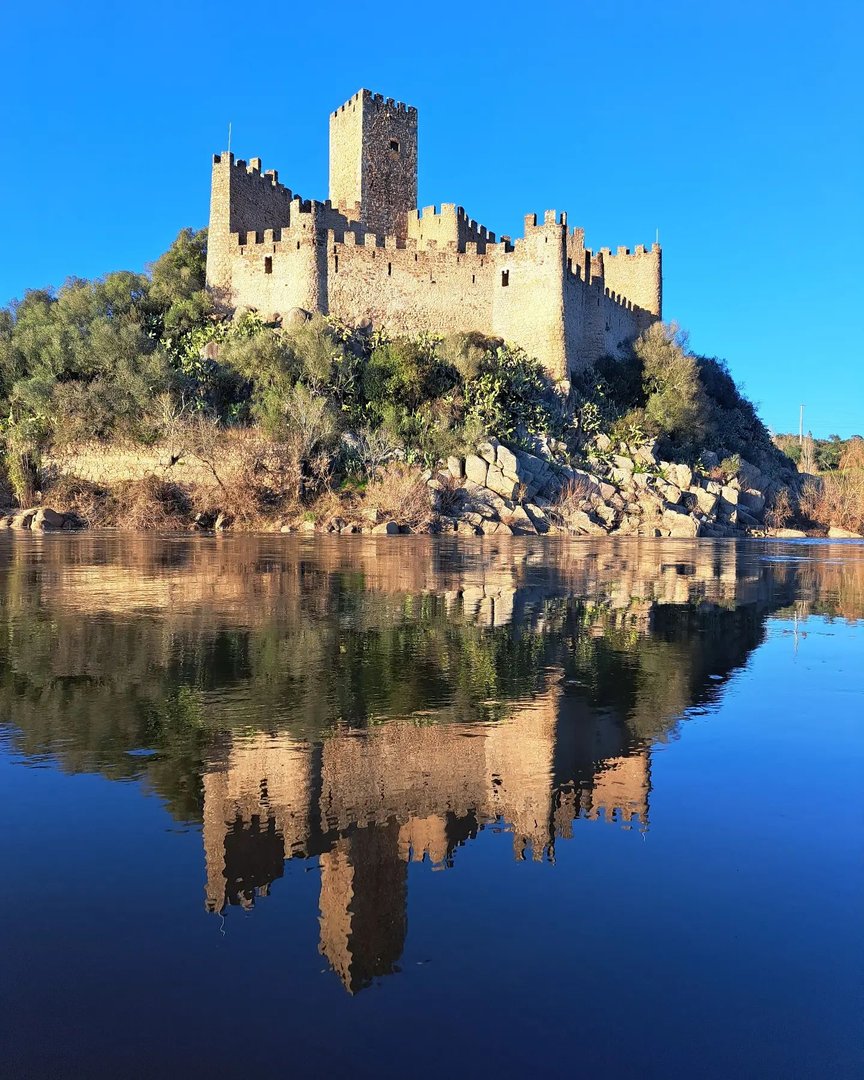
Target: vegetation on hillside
[145,358]
[690,403]
[821,455]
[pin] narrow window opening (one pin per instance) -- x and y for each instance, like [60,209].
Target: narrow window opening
[389,269]
[335,264]
[472,279]
[505,277]
[268,264]
[570,265]
[415,258]
[394,145]
[298,245]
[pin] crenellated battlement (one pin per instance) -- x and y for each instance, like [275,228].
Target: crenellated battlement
[376,101]
[368,253]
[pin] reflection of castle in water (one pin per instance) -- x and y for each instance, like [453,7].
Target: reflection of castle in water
[582,653]
[366,802]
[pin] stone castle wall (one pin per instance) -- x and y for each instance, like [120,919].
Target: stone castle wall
[367,254]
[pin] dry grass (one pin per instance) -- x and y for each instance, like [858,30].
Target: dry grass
[779,511]
[400,493]
[91,503]
[151,503]
[835,499]
[449,493]
[248,476]
[571,500]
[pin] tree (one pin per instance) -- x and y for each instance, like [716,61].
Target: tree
[675,404]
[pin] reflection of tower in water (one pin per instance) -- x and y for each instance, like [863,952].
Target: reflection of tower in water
[363,903]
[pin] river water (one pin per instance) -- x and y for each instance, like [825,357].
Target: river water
[410,807]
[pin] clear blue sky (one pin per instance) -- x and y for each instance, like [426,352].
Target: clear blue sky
[735,128]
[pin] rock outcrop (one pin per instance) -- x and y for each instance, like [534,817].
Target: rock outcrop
[626,492]
[38,519]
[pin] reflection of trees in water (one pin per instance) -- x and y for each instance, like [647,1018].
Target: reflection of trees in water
[111,644]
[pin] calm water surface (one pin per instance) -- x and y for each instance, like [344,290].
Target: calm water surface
[402,807]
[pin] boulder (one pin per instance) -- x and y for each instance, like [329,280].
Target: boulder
[602,442]
[23,519]
[488,450]
[624,464]
[682,475]
[456,467]
[45,519]
[507,462]
[465,528]
[706,502]
[475,469]
[519,521]
[580,522]
[729,494]
[679,524]
[746,520]
[297,316]
[790,534]
[307,527]
[502,485]
[529,463]
[752,501]
[670,492]
[836,533]
[536,512]
[386,528]
[750,476]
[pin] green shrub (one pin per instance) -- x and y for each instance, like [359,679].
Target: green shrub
[512,396]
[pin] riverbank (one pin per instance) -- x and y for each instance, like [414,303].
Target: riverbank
[499,488]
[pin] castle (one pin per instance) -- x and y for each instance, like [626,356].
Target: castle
[368,254]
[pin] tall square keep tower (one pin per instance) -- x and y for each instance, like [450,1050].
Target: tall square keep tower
[373,162]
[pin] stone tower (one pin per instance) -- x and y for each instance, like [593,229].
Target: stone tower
[373,162]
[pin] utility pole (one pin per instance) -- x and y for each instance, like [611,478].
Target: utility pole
[801,427]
